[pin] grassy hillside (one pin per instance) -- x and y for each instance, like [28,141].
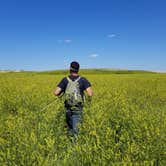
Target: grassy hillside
[98,71]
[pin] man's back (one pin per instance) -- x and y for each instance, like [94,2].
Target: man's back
[83,83]
[73,113]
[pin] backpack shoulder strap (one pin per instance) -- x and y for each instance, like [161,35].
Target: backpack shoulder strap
[77,79]
[69,79]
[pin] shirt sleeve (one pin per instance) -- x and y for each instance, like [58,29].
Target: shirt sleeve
[63,84]
[87,84]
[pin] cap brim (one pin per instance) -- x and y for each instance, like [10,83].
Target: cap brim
[73,69]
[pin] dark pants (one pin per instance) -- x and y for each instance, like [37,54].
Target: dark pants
[73,119]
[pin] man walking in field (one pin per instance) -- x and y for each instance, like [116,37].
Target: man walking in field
[74,86]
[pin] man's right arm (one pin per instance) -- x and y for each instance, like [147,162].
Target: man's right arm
[89,94]
[87,87]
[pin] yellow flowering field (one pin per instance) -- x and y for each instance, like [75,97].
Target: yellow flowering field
[125,124]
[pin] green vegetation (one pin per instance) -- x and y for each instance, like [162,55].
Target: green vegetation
[125,125]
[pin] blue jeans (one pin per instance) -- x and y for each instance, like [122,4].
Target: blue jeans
[73,118]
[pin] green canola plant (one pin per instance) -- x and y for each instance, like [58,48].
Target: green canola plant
[124,125]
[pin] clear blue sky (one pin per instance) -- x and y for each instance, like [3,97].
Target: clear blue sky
[49,34]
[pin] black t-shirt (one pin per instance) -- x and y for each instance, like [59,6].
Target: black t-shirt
[83,83]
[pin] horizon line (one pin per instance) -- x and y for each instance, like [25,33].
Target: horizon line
[113,69]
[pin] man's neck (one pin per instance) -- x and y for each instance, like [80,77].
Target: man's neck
[74,74]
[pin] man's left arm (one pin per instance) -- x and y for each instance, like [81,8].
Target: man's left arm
[60,88]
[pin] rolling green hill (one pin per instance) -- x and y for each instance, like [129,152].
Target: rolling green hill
[99,71]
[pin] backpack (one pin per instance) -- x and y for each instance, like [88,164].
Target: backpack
[72,93]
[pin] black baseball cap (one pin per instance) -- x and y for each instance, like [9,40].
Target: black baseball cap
[74,66]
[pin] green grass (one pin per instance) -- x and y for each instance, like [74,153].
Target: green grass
[125,124]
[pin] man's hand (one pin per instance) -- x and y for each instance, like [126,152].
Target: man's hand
[58,91]
[89,91]
[89,96]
